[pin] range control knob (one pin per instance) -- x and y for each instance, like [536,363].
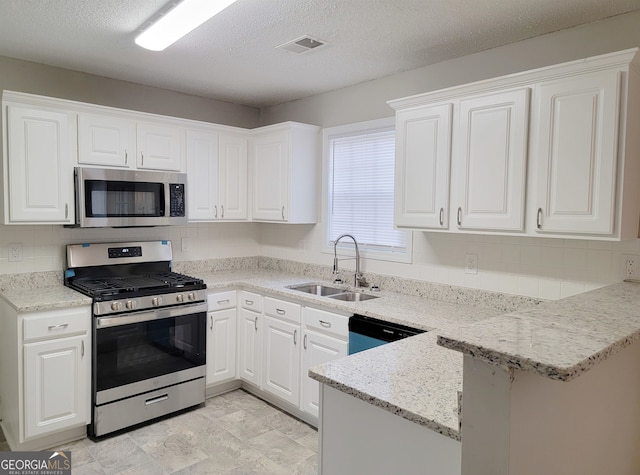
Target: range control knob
[115,306]
[191,296]
[156,301]
[131,304]
[180,298]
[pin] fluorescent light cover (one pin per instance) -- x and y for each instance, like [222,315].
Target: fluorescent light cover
[185,17]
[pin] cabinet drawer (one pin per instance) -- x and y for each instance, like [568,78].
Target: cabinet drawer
[281,309]
[57,323]
[251,301]
[327,322]
[222,300]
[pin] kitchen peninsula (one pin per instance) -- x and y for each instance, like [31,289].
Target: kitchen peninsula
[563,378]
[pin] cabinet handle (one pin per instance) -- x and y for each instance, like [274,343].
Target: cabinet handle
[249,302]
[295,337]
[279,311]
[539,219]
[220,302]
[82,349]
[283,212]
[142,159]
[255,323]
[62,326]
[66,210]
[325,324]
[216,207]
[304,342]
[459,216]
[211,327]
[441,216]
[126,157]
[222,214]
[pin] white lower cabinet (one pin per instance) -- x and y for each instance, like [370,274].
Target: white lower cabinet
[56,388]
[221,337]
[325,338]
[281,370]
[250,325]
[45,376]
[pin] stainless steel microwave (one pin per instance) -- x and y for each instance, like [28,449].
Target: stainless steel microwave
[129,198]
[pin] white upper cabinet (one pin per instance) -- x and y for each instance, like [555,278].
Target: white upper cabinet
[106,140]
[576,147]
[423,161]
[490,161]
[202,175]
[551,152]
[284,172]
[217,173]
[38,167]
[159,146]
[233,177]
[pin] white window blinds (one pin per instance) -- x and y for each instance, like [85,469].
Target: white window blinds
[361,184]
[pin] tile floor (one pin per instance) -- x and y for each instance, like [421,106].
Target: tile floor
[235,433]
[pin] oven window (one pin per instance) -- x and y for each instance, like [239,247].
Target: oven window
[138,351]
[104,199]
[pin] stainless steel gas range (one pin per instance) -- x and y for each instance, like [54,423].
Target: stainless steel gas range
[149,332]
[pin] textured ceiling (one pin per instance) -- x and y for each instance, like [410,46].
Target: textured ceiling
[232,57]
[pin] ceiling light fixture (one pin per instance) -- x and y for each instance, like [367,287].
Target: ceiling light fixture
[180,20]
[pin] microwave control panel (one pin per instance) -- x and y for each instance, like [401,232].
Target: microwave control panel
[176,199]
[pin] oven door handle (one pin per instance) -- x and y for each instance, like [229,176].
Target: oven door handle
[137,317]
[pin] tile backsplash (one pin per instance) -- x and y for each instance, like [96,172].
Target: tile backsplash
[542,268]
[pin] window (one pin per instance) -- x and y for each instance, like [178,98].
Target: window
[360,181]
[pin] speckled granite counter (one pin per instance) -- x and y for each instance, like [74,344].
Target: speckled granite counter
[413,378]
[44,298]
[559,340]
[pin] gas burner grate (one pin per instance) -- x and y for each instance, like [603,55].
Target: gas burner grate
[134,283]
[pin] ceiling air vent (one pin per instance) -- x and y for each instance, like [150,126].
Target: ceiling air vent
[302,45]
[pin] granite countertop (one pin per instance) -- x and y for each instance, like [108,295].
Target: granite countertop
[559,340]
[37,299]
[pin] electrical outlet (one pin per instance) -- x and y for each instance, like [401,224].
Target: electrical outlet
[470,264]
[630,265]
[15,252]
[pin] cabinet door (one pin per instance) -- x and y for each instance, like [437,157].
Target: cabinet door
[490,161]
[281,372]
[41,152]
[576,148]
[270,161]
[250,346]
[423,160]
[159,147]
[107,141]
[56,385]
[317,349]
[233,177]
[221,346]
[202,174]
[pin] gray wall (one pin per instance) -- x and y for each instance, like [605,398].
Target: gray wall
[35,78]
[367,101]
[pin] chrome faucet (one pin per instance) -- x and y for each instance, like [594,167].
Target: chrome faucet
[359,280]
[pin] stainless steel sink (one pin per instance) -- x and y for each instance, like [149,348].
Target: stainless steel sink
[353,296]
[317,289]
